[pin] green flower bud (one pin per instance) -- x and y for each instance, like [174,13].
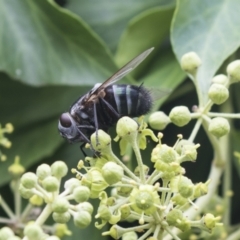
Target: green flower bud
[104,141]
[43,171]
[29,180]
[16,238]
[179,200]
[59,169]
[50,184]
[60,205]
[36,200]
[187,150]
[210,221]
[144,199]
[82,219]
[218,93]
[95,181]
[158,120]
[190,62]
[112,172]
[180,116]
[167,154]
[145,169]
[5,142]
[125,211]
[16,169]
[33,232]
[126,126]
[233,70]
[115,232]
[71,184]
[61,230]
[85,206]
[9,128]
[219,127]
[24,192]
[81,194]
[174,216]
[185,187]
[201,189]
[162,166]
[6,233]
[130,236]
[52,238]
[220,79]
[104,213]
[61,217]
[124,191]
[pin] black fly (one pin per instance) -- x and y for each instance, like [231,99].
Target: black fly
[104,104]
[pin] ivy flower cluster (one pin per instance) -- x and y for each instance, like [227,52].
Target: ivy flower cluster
[4,142]
[138,195]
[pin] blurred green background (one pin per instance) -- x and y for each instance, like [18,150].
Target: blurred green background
[53,52]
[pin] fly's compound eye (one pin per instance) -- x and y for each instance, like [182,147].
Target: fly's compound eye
[65,120]
[67,127]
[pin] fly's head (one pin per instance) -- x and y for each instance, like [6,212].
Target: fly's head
[68,128]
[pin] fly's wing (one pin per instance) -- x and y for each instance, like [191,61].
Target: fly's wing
[123,71]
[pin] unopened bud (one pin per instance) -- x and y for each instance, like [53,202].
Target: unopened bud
[59,169]
[219,127]
[218,93]
[180,116]
[158,120]
[50,184]
[81,194]
[60,205]
[82,219]
[220,79]
[61,217]
[43,171]
[29,180]
[233,70]
[190,62]
[112,173]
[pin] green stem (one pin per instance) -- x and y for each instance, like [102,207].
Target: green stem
[163,197]
[226,115]
[174,236]
[26,211]
[17,200]
[146,234]
[139,160]
[195,130]
[7,209]
[44,215]
[156,231]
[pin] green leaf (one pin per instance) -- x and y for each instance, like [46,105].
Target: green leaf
[209,29]
[109,18]
[146,30]
[25,105]
[42,43]
[164,76]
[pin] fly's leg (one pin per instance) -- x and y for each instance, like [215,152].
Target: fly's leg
[110,107]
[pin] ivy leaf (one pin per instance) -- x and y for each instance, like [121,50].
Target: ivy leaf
[146,30]
[109,18]
[209,29]
[42,43]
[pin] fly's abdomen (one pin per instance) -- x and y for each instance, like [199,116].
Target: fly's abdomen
[129,100]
